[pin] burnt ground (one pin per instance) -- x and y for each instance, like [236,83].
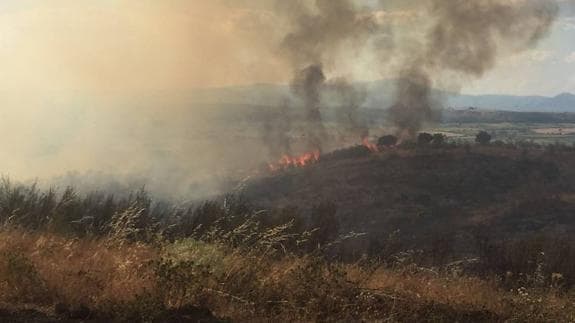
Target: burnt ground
[10,314]
[425,193]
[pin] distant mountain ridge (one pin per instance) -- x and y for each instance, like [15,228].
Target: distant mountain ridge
[380,95]
[564,102]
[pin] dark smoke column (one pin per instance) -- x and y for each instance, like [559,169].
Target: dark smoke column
[413,106]
[466,40]
[349,99]
[317,36]
[308,85]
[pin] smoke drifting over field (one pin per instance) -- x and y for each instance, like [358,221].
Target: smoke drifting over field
[461,40]
[348,101]
[307,85]
[315,39]
[112,86]
[466,39]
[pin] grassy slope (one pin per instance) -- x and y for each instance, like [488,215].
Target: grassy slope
[190,279]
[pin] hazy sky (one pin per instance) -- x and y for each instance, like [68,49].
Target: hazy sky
[129,46]
[94,84]
[548,69]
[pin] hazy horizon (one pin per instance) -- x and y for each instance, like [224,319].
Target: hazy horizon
[132,47]
[94,86]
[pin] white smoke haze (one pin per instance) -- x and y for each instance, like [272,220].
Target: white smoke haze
[110,87]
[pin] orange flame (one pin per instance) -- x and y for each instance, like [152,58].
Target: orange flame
[298,161]
[369,145]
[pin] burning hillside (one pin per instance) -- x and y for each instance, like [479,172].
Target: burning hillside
[297,161]
[421,191]
[313,157]
[190,96]
[463,40]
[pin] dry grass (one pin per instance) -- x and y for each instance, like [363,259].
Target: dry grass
[137,282]
[82,271]
[431,287]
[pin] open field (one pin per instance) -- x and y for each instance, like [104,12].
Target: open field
[542,133]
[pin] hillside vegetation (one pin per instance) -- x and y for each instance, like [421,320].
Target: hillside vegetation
[416,233]
[457,194]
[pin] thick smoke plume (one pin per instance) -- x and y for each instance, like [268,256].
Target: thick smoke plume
[318,34]
[130,102]
[276,130]
[348,100]
[466,40]
[307,85]
[414,105]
